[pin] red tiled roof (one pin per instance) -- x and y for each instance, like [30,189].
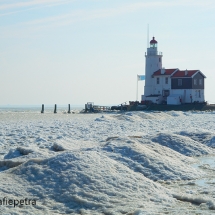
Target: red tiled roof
[190,73]
[167,72]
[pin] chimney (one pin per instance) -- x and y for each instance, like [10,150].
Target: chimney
[186,72]
[163,71]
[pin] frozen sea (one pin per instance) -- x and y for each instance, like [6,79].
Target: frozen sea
[130,163]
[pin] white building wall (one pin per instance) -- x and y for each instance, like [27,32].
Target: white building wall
[174,99]
[155,99]
[158,88]
[184,95]
[197,95]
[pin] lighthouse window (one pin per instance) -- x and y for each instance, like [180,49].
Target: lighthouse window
[166,80]
[179,82]
[159,59]
[158,80]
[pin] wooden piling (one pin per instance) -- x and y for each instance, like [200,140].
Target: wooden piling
[55,108]
[42,111]
[69,109]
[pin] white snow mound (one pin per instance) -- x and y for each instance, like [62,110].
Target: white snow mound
[204,137]
[151,159]
[181,144]
[90,180]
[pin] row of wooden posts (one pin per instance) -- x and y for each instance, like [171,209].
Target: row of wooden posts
[55,108]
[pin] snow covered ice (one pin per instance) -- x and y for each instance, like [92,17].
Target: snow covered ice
[111,163]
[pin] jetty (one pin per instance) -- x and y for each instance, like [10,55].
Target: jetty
[91,108]
[140,106]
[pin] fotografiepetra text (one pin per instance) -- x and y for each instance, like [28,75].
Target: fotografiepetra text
[17,202]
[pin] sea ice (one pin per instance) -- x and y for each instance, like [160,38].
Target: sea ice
[151,159]
[181,144]
[90,180]
[110,163]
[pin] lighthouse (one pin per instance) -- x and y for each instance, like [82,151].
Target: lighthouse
[153,63]
[170,86]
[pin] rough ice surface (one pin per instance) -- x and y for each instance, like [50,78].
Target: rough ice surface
[130,163]
[152,160]
[91,180]
[204,137]
[183,145]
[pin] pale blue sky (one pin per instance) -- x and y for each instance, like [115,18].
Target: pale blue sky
[61,51]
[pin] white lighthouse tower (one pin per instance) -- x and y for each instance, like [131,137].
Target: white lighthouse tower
[153,63]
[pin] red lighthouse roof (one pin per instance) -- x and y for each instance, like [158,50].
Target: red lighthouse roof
[153,40]
[166,72]
[185,73]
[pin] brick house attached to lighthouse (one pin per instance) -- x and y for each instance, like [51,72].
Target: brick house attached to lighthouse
[171,86]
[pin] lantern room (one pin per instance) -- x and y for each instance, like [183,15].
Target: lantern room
[153,43]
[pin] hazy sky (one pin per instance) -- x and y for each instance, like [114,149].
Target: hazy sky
[76,51]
